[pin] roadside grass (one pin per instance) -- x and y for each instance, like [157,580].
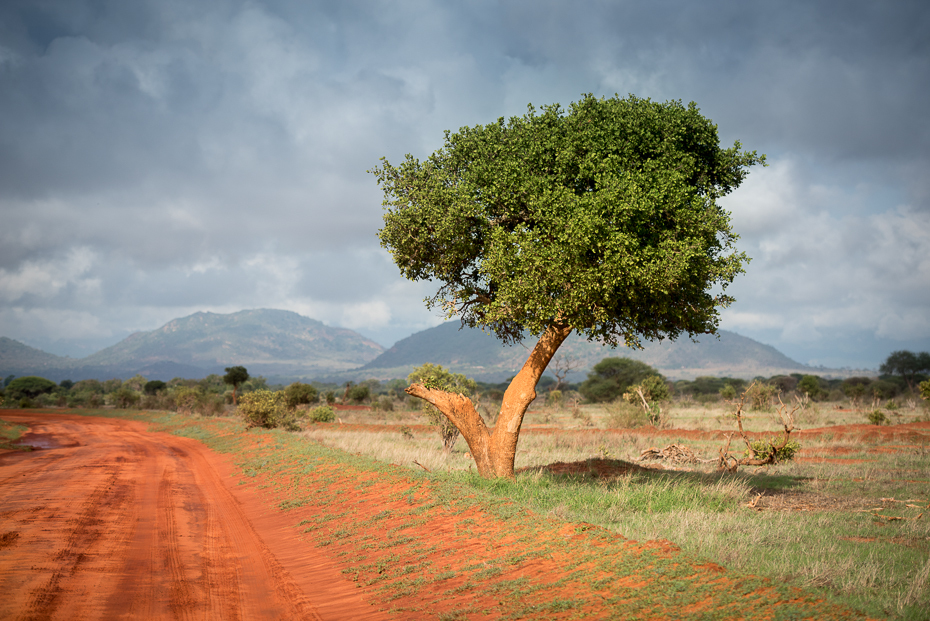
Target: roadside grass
[10,433]
[824,522]
[825,525]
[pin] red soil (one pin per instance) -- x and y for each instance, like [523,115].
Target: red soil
[115,522]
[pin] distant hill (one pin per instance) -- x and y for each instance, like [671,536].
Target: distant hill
[483,357]
[16,354]
[267,342]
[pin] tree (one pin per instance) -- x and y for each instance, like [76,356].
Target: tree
[611,377]
[906,364]
[153,387]
[601,219]
[29,387]
[299,394]
[236,376]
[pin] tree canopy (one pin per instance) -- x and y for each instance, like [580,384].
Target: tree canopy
[907,364]
[236,376]
[611,377]
[602,217]
[30,386]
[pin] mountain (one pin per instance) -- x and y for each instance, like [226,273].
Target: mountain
[15,354]
[266,342]
[482,356]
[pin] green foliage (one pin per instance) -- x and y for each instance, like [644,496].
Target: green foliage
[728,392]
[810,385]
[762,449]
[30,387]
[435,377]
[906,364]
[299,394]
[187,399]
[611,377]
[66,384]
[385,404]
[236,377]
[603,217]
[925,390]
[153,387]
[554,398]
[877,417]
[855,388]
[125,398]
[263,408]
[322,414]
[760,395]
[359,393]
[330,397]
[652,390]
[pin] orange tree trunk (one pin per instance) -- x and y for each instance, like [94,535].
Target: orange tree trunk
[494,450]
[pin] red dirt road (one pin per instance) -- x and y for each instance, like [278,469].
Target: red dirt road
[119,523]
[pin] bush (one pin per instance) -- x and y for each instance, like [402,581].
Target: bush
[760,395]
[125,398]
[925,390]
[186,399]
[151,388]
[384,403]
[611,377]
[810,385]
[622,415]
[322,414]
[762,449]
[299,394]
[554,398]
[647,394]
[877,417]
[359,393]
[262,408]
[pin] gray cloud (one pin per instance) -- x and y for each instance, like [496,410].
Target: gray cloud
[159,158]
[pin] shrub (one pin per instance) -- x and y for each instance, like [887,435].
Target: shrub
[648,394]
[299,394]
[262,408]
[154,386]
[359,393]
[622,415]
[760,395]
[186,399]
[554,398]
[125,398]
[925,390]
[877,417]
[25,402]
[762,449]
[322,414]
[810,385]
[384,403]
[728,392]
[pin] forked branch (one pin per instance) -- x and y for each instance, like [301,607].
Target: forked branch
[762,452]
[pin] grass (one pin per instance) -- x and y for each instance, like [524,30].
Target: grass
[827,527]
[9,434]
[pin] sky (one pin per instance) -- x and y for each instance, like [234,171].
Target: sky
[163,157]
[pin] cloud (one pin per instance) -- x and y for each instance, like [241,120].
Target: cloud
[159,158]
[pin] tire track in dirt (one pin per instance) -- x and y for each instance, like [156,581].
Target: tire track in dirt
[125,524]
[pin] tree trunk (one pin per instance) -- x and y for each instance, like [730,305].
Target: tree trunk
[494,451]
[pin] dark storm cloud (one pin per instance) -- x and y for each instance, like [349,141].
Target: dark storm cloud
[164,157]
